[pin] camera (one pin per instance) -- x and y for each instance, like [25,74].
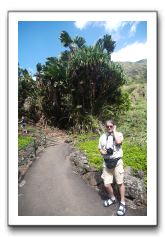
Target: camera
[110,151]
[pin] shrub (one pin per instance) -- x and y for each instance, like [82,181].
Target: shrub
[90,148]
[135,156]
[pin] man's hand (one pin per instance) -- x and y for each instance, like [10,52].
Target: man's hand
[116,136]
[103,151]
[114,128]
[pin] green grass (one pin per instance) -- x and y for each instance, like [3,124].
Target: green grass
[135,156]
[24,141]
[90,148]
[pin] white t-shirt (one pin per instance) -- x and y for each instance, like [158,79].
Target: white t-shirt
[110,143]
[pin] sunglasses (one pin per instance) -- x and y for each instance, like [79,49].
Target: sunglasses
[111,126]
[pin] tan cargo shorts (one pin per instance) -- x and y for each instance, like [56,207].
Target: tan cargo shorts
[117,173]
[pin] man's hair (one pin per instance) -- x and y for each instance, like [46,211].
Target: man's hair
[110,121]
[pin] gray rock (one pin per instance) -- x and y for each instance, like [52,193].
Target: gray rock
[85,161]
[81,170]
[135,189]
[83,157]
[139,174]
[93,178]
[90,168]
[128,170]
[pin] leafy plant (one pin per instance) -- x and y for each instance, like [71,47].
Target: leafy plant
[135,156]
[90,148]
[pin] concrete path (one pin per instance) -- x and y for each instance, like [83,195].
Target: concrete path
[51,188]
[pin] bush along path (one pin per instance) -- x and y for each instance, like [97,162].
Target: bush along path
[59,183]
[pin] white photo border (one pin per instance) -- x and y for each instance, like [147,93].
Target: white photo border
[13,219]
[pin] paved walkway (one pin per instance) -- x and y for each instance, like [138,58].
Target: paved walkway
[51,188]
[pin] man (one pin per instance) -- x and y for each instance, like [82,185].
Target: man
[111,151]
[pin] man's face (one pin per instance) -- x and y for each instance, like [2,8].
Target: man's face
[109,127]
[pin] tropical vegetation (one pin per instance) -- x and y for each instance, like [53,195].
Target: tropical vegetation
[83,87]
[77,88]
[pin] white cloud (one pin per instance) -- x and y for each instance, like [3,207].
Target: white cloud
[109,26]
[133,28]
[114,25]
[81,24]
[132,53]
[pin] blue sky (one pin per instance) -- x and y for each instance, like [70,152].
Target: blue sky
[38,40]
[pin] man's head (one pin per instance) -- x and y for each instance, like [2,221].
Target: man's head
[109,125]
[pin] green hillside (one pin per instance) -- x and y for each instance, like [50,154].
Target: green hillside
[135,71]
[134,122]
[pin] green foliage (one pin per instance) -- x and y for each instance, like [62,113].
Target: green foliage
[134,122]
[65,39]
[90,148]
[135,156]
[24,141]
[106,43]
[94,82]
[28,93]
[80,88]
[136,72]
[73,89]
[115,111]
[79,41]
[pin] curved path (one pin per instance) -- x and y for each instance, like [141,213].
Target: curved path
[51,188]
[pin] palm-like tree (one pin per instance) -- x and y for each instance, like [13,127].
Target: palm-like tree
[87,65]
[109,44]
[106,43]
[38,73]
[67,41]
[79,41]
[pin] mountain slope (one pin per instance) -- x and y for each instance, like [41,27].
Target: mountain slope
[135,71]
[134,122]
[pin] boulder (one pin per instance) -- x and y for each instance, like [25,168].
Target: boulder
[135,189]
[128,170]
[93,178]
[139,174]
